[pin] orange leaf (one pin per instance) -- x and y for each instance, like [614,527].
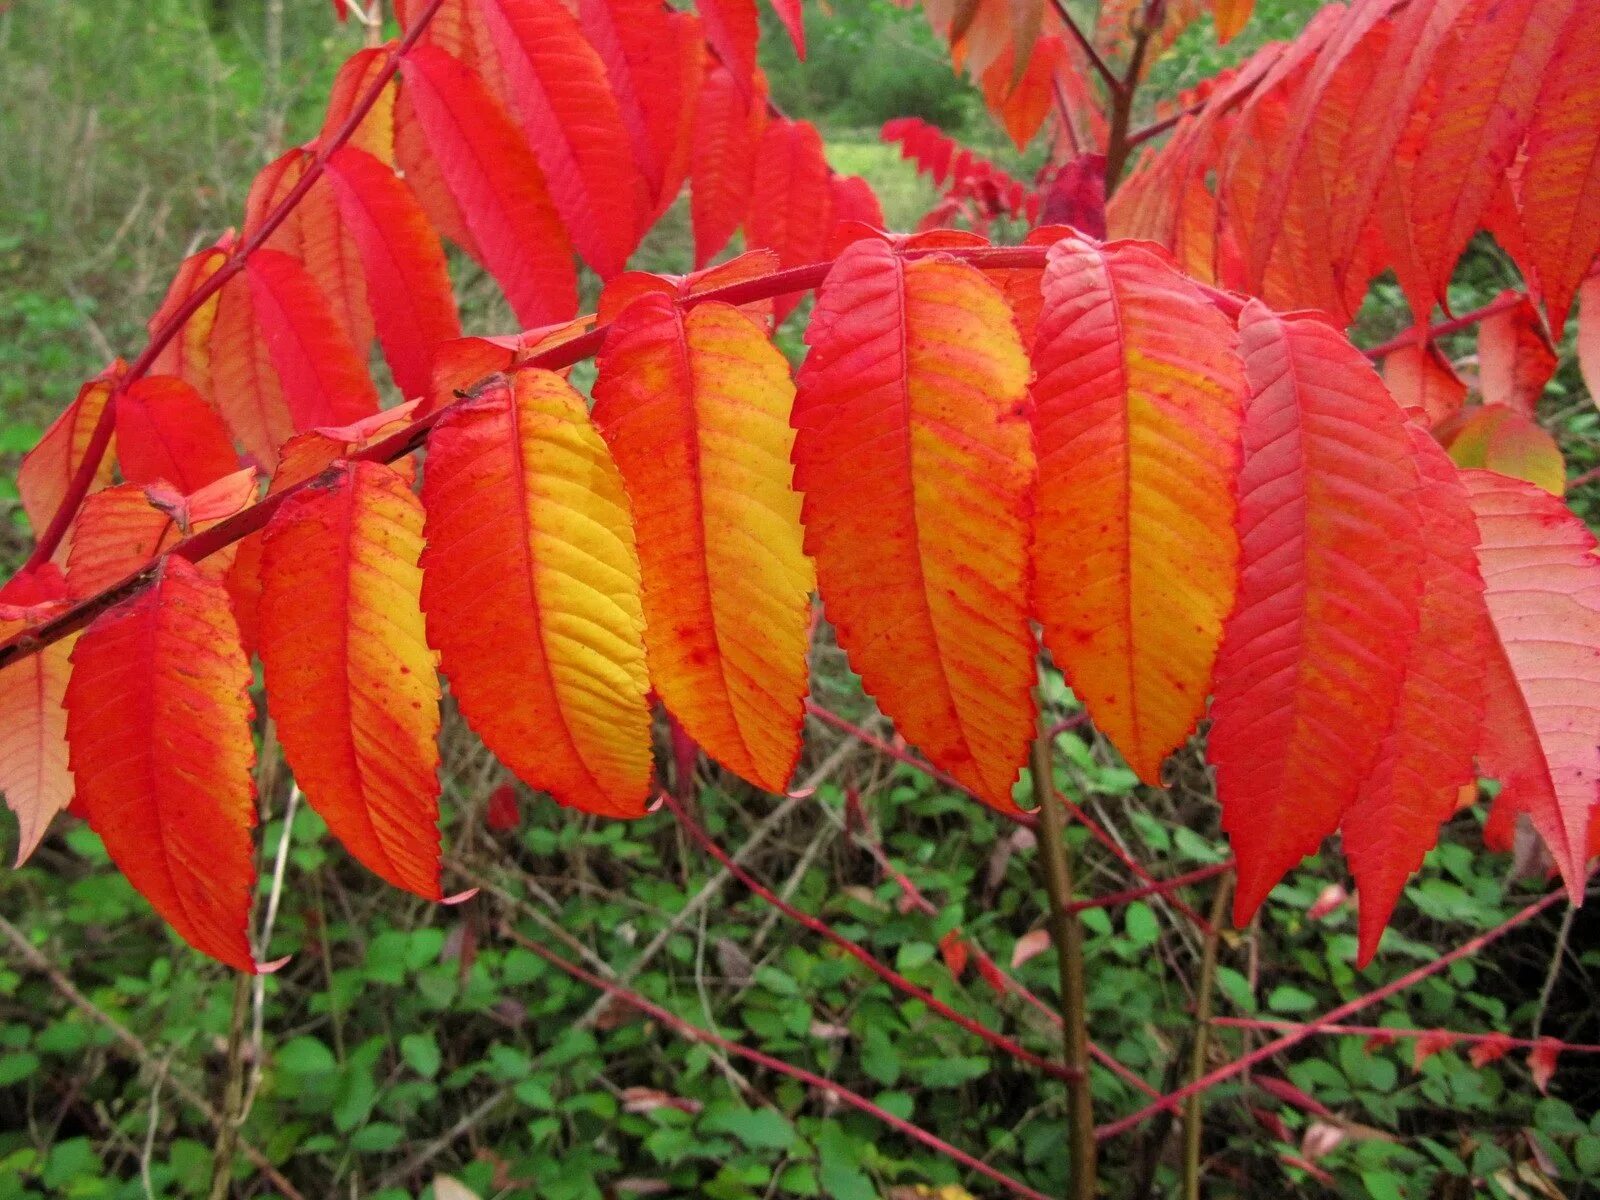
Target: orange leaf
[1021,104]
[34,776]
[1426,756]
[158,719]
[244,383]
[1314,653]
[495,183]
[1542,1063]
[375,134]
[167,431]
[410,294]
[188,354]
[696,411]
[351,682]
[1541,730]
[1515,359]
[914,459]
[47,470]
[531,590]
[1137,410]
[1502,439]
[1230,16]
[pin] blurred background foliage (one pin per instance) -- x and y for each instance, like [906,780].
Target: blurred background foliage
[404,1041]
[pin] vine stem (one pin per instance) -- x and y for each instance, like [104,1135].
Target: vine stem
[1067,932]
[828,1087]
[1468,948]
[879,968]
[100,439]
[1204,988]
[1395,1032]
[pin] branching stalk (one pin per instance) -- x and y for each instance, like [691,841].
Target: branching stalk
[1204,988]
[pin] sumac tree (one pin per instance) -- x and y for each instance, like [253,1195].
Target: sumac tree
[1140,435]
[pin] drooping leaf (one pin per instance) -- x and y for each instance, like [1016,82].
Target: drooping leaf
[375,134]
[244,383]
[1487,90]
[791,199]
[1515,359]
[166,431]
[188,354]
[412,303]
[727,130]
[1231,16]
[1422,381]
[732,29]
[324,380]
[1502,439]
[913,456]
[1427,753]
[496,184]
[34,777]
[1541,729]
[1137,411]
[558,89]
[48,469]
[351,682]
[695,409]
[1314,652]
[792,15]
[1020,101]
[158,720]
[532,594]
[1560,182]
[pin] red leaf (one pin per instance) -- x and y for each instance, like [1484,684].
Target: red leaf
[1515,359]
[1021,104]
[727,130]
[953,949]
[34,776]
[1313,656]
[558,88]
[1490,1049]
[496,183]
[351,682]
[1426,754]
[1541,729]
[1283,1090]
[1560,182]
[166,430]
[243,380]
[323,379]
[1488,86]
[188,355]
[48,469]
[409,284]
[375,134]
[854,200]
[503,813]
[793,18]
[158,718]
[791,199]
[1589,336]
[1542,1063]
[732,29]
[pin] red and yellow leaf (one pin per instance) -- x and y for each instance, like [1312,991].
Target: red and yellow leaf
[158,719]
[1314,652]
[496,185]
[558,89]
[245,384]
[167,431]
[695,409]
[1427,754]
[188,354]
[1137,411]
[532,594]
[1541,729]
[412,303]
[351,682]
[375,134]
[913,455]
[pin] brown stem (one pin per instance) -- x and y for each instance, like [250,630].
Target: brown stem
[227,1143]
[1202,1033]
[1117,145]
[1067,933]
[1113,84]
